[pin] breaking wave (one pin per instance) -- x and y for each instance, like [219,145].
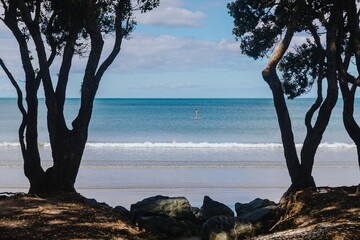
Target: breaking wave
[188,145]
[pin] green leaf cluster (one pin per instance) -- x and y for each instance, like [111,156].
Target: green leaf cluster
[299,69]
[259,24]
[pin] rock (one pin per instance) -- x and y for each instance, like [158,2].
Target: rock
[122,211]
[91,202]
[211,208]
[258,210]
[171,216]
[185,228]
[226,228]
[156,224]
[242,208]
[259,215]
[175,207]
[169,226]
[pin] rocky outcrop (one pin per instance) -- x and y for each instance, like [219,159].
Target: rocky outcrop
[258,210]
[174,217]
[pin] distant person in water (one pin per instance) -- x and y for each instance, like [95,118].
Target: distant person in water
[196,113]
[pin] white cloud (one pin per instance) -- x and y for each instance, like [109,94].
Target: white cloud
[172,17]
[167,53]
[172,14]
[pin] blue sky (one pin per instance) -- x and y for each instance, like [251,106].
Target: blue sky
[181,49]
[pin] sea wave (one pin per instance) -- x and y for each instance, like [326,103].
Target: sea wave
[9,144]
[188,145]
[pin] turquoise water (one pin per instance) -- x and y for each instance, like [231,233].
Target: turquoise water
[173,120]
[141,147]
[134,130]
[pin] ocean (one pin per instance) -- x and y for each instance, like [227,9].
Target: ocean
[228,149]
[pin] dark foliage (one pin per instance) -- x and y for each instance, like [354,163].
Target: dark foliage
[300,69]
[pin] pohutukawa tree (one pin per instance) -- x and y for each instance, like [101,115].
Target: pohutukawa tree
[63,29]
[348,40]
[266,29]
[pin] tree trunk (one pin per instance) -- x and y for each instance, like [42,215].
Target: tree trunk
[32,164]
[287,136]
[270,76]
[67,154]
[350,124]
[314,137]
[67,145]
[349,121]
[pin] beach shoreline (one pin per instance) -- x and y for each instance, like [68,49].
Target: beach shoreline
[124,186]
[330,213]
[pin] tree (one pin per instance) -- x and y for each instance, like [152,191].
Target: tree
[349,41]
[268,27]
[67,28]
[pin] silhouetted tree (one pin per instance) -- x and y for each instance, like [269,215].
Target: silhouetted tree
[268,27]
[63,29]
[349,42]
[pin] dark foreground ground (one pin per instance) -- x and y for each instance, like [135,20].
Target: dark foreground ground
[324,213]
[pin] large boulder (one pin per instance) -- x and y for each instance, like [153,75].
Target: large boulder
[122,211]
[172,216]
[258,210]
[211,208]
[175,207]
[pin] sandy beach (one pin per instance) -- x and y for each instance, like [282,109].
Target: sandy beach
[124,186]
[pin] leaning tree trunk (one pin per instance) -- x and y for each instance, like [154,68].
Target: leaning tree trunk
[350,124]
[292,160]
[271,77]
[349,121]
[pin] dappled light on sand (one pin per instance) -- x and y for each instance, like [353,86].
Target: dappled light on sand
[324,213]
[67,217]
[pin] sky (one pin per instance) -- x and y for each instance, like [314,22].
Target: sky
[182,49]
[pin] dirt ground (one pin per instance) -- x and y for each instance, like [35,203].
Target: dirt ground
[66,217]
[323,213]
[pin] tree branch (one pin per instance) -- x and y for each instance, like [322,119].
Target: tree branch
[41,53]
[65,67]
[116,48]
[270,76]
[310,113]
[20,106]
[89,85]
[37,12]
[4,5]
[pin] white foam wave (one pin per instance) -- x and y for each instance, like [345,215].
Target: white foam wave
[337,145]
[210,145]
[189,145]
[184,145]
[17,144]
[9,144]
